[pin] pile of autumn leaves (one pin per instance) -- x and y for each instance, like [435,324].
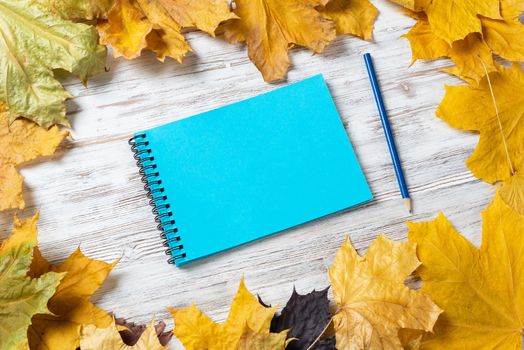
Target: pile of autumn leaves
[48,35]
[470,33]
[471,298]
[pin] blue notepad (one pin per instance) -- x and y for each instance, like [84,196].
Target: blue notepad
[248,170]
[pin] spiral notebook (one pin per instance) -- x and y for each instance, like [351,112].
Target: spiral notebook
[248,170]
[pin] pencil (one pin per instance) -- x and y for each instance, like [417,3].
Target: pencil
[387,131]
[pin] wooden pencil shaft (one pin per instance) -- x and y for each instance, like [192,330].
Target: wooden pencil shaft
[385,125]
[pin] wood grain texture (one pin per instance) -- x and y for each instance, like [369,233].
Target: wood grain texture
[90,193]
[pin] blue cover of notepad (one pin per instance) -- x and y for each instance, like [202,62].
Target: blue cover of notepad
[248,170]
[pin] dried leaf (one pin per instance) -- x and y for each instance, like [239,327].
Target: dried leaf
[511,9]
[502,34]
[410,338]
[33,44]
[70,306]
[479,289]
[21,296]
[94,338]
[205,15]
[262,341]
[409,4]
[424,44]
[196,331]
[353,17]
[131,331]
[323,344]
[270,27]
[193,328]
[453,20]
[464,53]
[21,142]
[374,303]
[134,25]
[512,192]
[126,30]
[471,108]
[77,9]
[506,37]
[306,317]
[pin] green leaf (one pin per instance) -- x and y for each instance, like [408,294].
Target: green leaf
[33,43]
[21,296]
[78,9]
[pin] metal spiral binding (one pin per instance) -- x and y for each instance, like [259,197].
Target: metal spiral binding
[157,199]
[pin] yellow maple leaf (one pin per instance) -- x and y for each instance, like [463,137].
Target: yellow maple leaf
[453,20]
[270,27]
[464,53]
[262,341]
[413,5]
[409,4]
[472,108]
[205,15]
[374,304]
[511,9]
[196,331]
[94,338]
[193,328]
[512,192]
[134,25]
[70,305]
[354,17]
[126,29]
[21,141]
[480,290]
[502,35]
[506,37]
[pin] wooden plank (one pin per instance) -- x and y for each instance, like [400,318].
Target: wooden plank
[90,194]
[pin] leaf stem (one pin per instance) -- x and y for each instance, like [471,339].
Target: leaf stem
[320,335]
[498,117]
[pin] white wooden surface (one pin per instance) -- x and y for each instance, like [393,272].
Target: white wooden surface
[90,194]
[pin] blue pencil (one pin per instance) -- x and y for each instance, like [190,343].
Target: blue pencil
[387,131]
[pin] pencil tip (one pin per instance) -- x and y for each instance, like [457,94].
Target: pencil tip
[408,203]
